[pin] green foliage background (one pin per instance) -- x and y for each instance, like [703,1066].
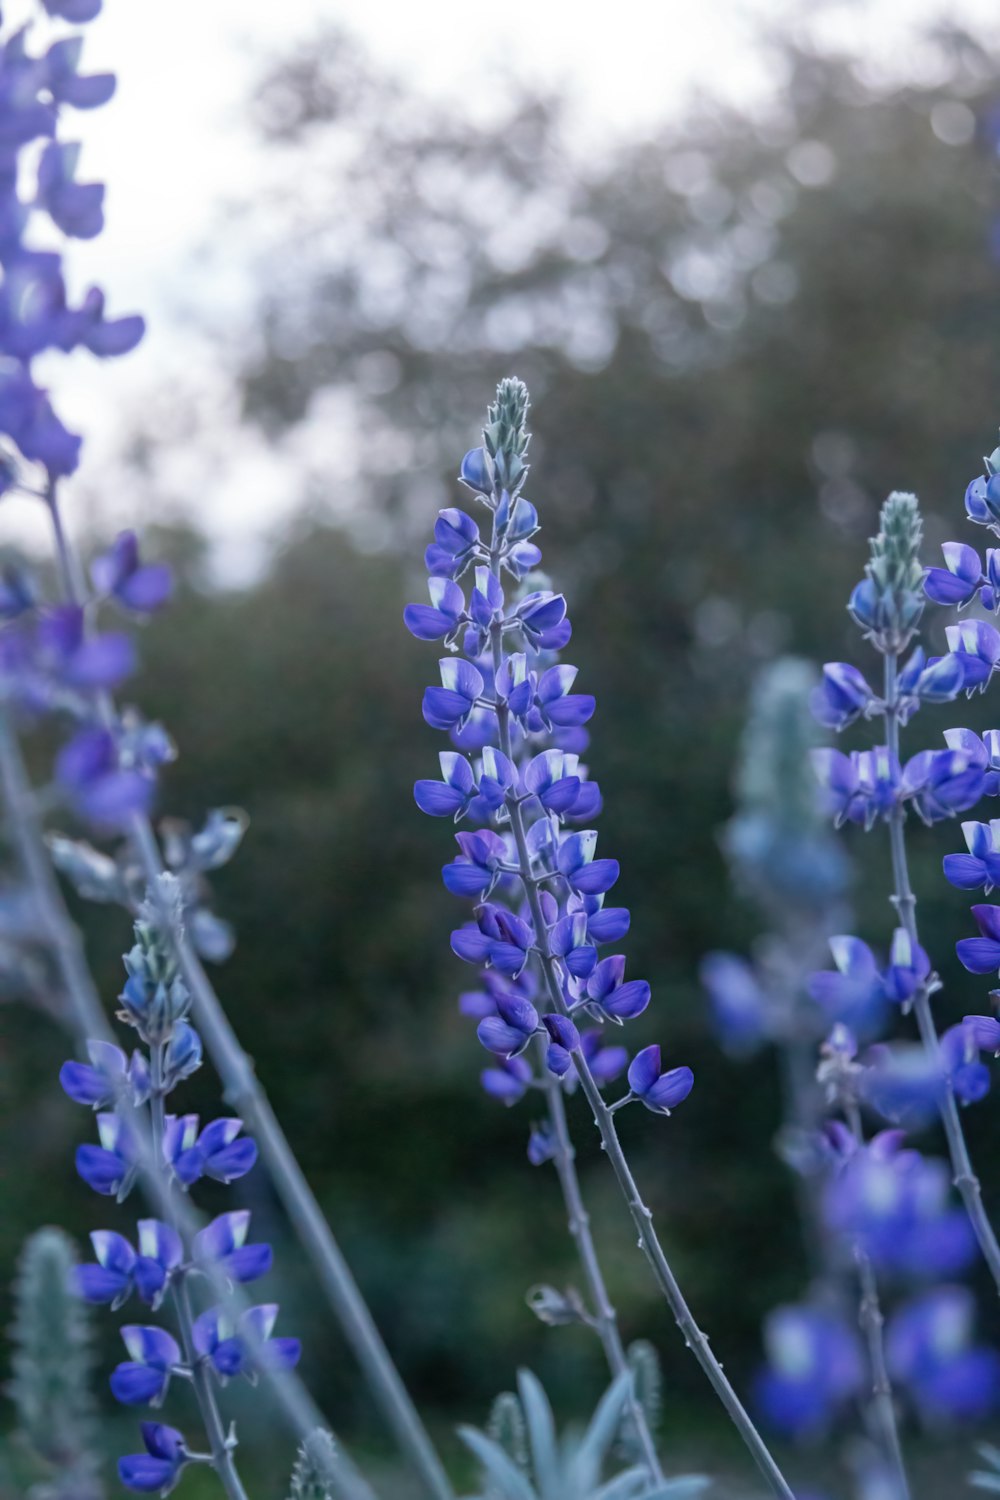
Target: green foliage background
[739,335]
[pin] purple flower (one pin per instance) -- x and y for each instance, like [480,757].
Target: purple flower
[456,543]
[957,582]
[543,622]
[89,770]
[109,1168]
[585,875]
[223,1243]
[218,1151]
[858,788]
[842,696]
[143,1379]
[608,993]
[605,1063]
[983,753]
[508,1032]
[968,1077]
[500,938]
[156,1471]
[977,646]
[443,618]
[508,1081]
[119,574]
[108,1075]
[564,1040]
[941,783]
[982,500]
[478,867]
[450,706]
[854,993]
[981,955]
[119,1270]
[815,1366]
[659,1091]
[246,1347]
[929,1351]
[75,208]
[450,797]
[981,866]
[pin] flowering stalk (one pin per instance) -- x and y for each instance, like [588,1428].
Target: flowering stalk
[554,873]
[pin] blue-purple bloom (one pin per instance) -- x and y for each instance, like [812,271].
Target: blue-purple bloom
[244,1347]
[156,1471]
[659,1091]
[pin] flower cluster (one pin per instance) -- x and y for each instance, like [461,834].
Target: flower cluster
[516,779]
[129,1094]
[40,178]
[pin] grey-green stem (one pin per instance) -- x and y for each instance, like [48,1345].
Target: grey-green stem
[641,1216]
[905,903]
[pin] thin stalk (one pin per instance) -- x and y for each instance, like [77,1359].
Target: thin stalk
[243,1091]
[641,1216]
[883,1407]
[87,1021]
[605,1317]
[223,1461]
[905,903]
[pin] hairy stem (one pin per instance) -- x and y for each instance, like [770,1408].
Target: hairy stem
[244,1092]
[223,1461]
[883,1406]
[905,903]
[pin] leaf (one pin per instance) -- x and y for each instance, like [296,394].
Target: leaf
[541,1434]
[500,1470]
[599,1436]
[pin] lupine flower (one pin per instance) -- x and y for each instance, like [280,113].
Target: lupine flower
[903,1082]
[858,788]
[156,1471]
[450,797]
[894,1204]
[982,500]
[981,866]
[981,955]
[586,875]
[958,582]
[842,696]
[218,1151]
[660,1092]
[609,994]
[976,645]
[456,543]
[606,1063]
[930,1352]
[500,939]
[509,1031]
[983,753]
[941,783]
[564,1040]
[857,990]
[889,601]
[450,705]
[109,1074]
[245,1347]
[967,1076]
[119,1270]
[143,1380]
[509,1080]
[443,618]
[478,867]
[118,574]
[937,680]
[815,1366]
[223,1242]
[986,1031]
[90,771]
[109,1168]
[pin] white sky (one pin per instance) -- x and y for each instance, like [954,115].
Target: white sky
[173,148]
